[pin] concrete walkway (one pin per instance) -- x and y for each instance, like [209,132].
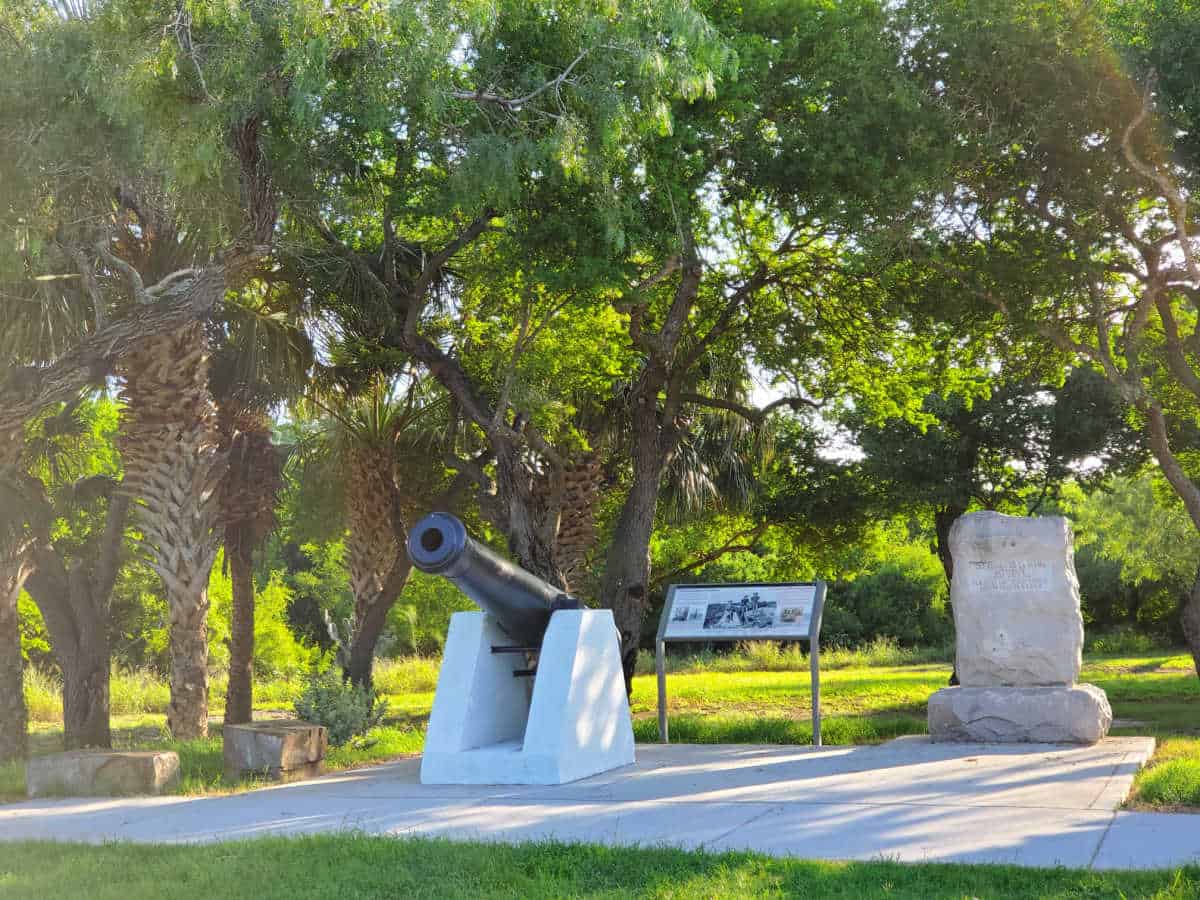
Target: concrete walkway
[1033,805]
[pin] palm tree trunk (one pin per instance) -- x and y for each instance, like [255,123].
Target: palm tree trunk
[169,445]
[187,714]
[370,620]
[379,564]
[239,697]
[247,509]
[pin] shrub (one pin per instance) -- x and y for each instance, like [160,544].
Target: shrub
[894,601]
[43,695]
[137,692]
[1124,641]
[346,710]
[407,675]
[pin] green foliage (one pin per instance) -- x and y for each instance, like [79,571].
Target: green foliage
[277,651]
[406,675]
[347,710]
[1011,449]
[1123,641]
[418,623]
[35,640]
[43,695]
[1136,553]
[893,601]
[777,656]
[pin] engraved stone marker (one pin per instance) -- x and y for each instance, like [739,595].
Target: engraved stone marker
[1016,601]
[1019,637]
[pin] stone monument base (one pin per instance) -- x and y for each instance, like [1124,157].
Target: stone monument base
[1079,714]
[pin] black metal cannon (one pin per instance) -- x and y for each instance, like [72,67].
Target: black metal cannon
[519,601]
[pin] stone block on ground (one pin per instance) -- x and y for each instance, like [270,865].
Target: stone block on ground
[1005,715]
[283,749]
[102,773]
[1015,597]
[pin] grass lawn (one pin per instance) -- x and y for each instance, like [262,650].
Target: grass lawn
[201,762]
[344,866]
[757,697]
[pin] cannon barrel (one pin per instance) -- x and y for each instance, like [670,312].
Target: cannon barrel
[520,602]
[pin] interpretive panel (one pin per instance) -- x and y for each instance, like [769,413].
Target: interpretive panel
[742,612]
[739,612]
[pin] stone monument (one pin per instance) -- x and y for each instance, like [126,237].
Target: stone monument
[1019,637]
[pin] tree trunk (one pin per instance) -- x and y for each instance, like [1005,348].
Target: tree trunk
[170,448]
[13,715]
[369,623]
[239,697]
[1190,618]
[86,692]
[74,604]
[246,499]
[627,575]
[1189,493]
[626,581]
[187,714]
[943,520]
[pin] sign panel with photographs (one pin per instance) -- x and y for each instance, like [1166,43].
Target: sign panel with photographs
[742,612]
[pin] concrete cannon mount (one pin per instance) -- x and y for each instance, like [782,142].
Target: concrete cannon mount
[909,799]
[101,773]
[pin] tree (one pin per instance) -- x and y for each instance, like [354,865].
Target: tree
[538,136]
[1012,449]
[15,566]
[378,452]
[78,513]
[1075,180]
[261,359]
[114,169]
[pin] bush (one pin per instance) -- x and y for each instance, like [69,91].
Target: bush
[1125,641]
[895,601]
[346,710]
[407,675]
[43,695]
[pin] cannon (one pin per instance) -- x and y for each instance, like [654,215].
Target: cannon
[519,601]
[550,708]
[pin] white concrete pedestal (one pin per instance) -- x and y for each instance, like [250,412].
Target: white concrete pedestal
[489,727]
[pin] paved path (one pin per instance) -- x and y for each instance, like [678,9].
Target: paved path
[1035,805]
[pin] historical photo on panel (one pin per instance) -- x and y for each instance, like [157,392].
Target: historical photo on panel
[748,612]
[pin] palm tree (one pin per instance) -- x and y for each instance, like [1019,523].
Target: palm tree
[170,446]
[261,359]
[379,447]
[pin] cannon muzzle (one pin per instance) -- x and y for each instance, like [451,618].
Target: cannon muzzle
[519,601]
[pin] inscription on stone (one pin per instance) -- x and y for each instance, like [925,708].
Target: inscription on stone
[1010,576]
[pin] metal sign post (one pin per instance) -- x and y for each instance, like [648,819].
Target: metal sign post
[742,612]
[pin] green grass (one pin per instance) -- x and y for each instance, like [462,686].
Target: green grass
[344,866]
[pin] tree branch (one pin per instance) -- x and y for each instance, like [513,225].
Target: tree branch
[748,538]
[431,269]
[515,103]
[750,413]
